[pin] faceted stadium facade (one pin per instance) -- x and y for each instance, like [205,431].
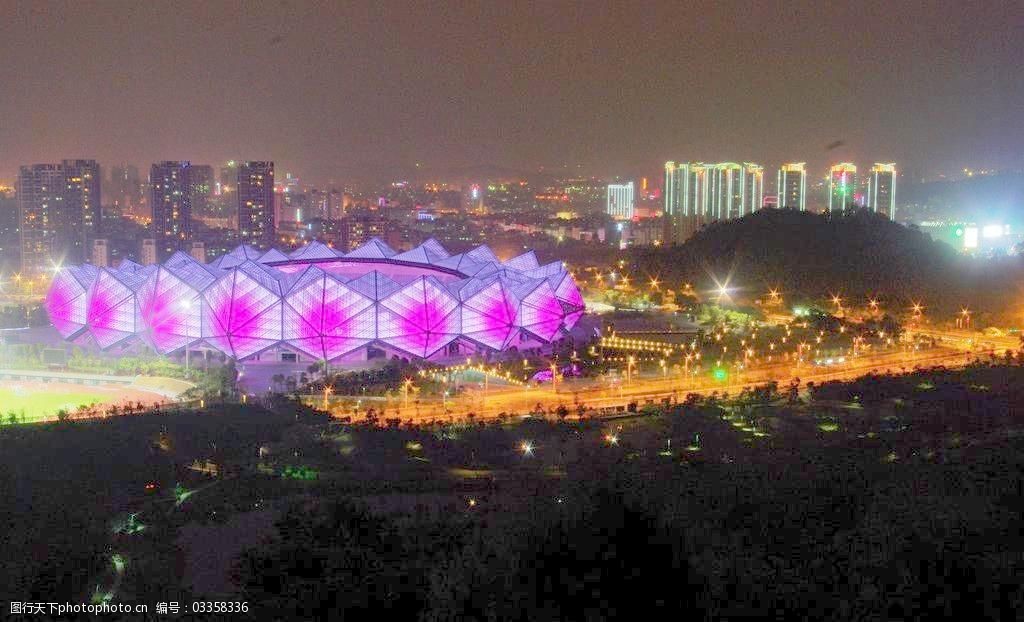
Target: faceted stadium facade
[325,305]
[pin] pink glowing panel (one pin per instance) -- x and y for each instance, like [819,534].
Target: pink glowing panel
[489,316]
[67,299]
[171,312]
[112,311]
[421,318]
[540,313]
[325,319]
[571,319]
[569,293]
[572,300]
[241,316]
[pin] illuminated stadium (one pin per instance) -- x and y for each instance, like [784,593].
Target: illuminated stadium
[320,303]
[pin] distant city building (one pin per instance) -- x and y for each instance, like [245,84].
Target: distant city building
[882,189]
[687,198]
[675,184]
[256,203]
[753,187]
[647,232]
[792,186]
[358,229]
[125,188]
[620,201]
[82,202]
[171,201]
[228,176]
[148,252]
[726,191]
[100,253]
[696,193]
[770,201]
[198,251]
[584,195]
[58,213]
[202,186]
[10,238]
[44,224]
[842,186]
[735,190]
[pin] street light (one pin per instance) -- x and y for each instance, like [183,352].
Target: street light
[965,319]
[838,302]
[406,386]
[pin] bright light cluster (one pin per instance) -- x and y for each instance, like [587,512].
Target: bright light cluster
[320,302]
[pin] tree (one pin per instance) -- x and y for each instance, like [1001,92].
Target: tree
[562,412]
[609,561]
[333,560]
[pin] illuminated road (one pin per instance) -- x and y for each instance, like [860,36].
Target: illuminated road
[596,396]
[970,340]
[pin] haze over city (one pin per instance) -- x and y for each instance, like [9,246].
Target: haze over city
[337,92]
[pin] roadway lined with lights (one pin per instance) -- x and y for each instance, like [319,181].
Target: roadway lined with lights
[618,396]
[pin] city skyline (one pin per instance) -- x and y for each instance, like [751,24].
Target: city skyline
[452,90]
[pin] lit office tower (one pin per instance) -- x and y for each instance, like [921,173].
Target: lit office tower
[842,184]
[620,201]
[792,186]
[697,193]
[726,191]
[171,187]
[256,203]
[41,216]
[675,182]
[735,190]
[882,189]
[679,221]
[753,187]
[82,204]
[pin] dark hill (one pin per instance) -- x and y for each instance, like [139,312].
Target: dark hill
[810,255]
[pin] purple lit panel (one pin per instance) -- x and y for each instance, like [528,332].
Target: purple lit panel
[571,319]
[326,320]
[421,318]
[66,303]
[569,293]
[241,316]
[111,312]
[540,313]
[572,300]
[489,316]
[171,312]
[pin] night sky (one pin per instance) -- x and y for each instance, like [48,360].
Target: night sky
[333,93]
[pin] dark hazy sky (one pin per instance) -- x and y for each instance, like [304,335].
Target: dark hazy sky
[343,90]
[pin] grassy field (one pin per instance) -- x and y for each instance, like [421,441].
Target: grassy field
[33,401]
